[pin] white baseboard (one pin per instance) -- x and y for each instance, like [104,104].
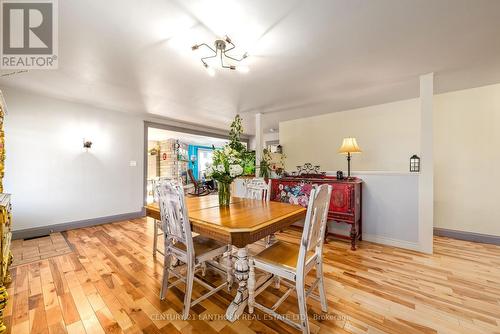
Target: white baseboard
[392,242]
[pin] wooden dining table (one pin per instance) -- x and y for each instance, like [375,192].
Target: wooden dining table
[242,223]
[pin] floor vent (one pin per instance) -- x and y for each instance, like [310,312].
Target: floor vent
[30,250]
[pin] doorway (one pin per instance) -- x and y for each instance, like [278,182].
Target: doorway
[170,152]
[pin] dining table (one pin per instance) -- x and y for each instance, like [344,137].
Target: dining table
[241,223]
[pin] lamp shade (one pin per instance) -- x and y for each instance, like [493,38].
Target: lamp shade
[349,145]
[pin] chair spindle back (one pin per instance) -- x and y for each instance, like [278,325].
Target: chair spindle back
[316,217]
[258,188]
[173,213]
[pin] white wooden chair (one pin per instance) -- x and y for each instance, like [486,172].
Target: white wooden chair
[157,229]
[293,262]
[258,188]
[194,252]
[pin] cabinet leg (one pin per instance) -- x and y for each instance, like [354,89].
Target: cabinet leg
[3,303]
[8,278]
[360,231]
[354,235]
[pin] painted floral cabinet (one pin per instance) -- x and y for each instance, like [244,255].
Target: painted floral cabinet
[345,203]
[5,226]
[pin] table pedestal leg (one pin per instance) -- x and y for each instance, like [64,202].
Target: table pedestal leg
[241,270]
[270,239]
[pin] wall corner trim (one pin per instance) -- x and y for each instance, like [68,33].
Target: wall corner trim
[45,230]
[467,236]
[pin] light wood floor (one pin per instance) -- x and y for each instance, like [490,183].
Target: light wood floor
[110,284]
[34,250]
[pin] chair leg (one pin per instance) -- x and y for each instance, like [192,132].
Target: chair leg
[251,287]
[166,268]
[301,298]
[155,237]
[189,290]
[321,286]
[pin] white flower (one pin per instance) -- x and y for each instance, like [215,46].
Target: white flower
[221,169]
[235,170]
[209,171]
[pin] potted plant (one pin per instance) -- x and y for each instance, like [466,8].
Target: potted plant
[227,165]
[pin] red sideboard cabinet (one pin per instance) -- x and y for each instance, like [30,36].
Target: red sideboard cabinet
[345,203]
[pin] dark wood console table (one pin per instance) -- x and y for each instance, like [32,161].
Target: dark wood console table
[345,203]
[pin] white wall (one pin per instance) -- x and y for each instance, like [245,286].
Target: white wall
[467,160]
[390,208]
[51,177]
[270,136]
[388,134]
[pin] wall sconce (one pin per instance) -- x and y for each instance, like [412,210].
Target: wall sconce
[87,144]
[415,164]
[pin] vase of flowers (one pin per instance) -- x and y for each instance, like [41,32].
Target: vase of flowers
[226,166]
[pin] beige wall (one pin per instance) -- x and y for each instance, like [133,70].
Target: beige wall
[388,134]
[466,150]
[467,160]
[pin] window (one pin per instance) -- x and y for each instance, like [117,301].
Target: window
[204,159]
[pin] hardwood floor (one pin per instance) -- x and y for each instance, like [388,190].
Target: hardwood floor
[34,250]
[110,284]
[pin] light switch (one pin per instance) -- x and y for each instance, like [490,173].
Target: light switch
[133,163]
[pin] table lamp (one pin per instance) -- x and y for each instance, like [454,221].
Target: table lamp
[349,146]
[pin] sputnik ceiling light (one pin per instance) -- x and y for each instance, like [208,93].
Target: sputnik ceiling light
[221,49]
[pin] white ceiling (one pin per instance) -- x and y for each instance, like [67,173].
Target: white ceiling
[155,134]
[306,57]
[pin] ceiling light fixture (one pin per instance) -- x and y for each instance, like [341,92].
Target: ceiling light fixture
[221,51]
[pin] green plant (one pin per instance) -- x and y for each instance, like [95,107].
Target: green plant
[247,157]
[248,162]
[235,131]
[265,164]
[226,165]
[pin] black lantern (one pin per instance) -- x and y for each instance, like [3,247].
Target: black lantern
[414,163]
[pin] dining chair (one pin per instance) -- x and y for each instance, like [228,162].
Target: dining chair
[195,253]
[157,228]
[258,188]
[293,262]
